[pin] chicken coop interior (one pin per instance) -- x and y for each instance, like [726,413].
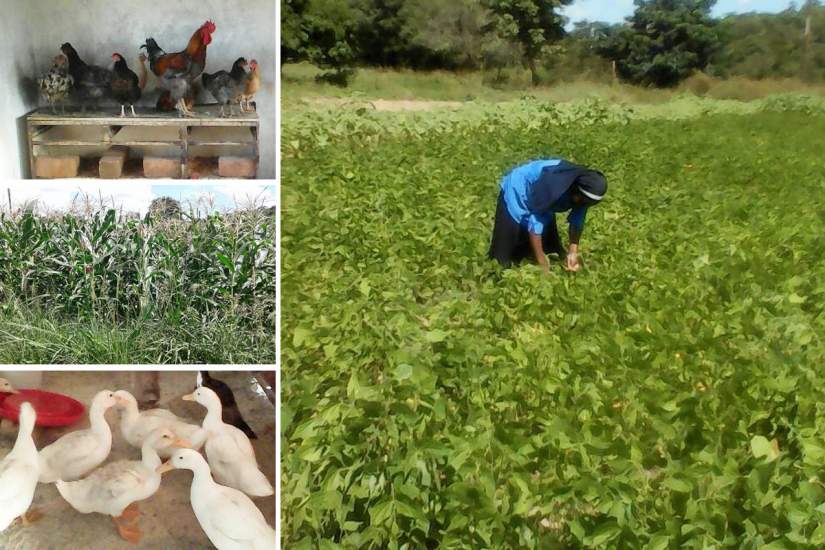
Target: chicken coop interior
[164,138]
[166,519]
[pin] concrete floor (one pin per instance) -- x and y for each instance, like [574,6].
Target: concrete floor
[167,520]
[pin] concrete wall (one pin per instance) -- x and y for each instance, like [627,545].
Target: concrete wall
[33,31]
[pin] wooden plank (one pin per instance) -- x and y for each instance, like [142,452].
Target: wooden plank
[39,130]
[80,143]
[146,122]
[221,143]
[256,134]
[204,116]
[32,173]
[184,152]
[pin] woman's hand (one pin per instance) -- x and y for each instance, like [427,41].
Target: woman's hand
[572,261]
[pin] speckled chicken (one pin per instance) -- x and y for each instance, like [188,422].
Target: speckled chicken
[56,84]
[225,86]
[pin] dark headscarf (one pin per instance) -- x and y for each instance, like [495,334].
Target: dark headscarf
[592,185]
[556,180]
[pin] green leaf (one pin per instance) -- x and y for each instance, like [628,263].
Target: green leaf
[604,533]
[381,512]
[434,336]
[299,336]
[403,371]
[761,447]
[577,529]
[658,542]
[678,485]
[795,298]
[818,536]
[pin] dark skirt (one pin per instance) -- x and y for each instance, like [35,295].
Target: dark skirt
[511,242]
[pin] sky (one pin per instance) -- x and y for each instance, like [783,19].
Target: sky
[615,11]
[136,196]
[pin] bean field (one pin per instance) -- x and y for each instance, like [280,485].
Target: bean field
[668,395]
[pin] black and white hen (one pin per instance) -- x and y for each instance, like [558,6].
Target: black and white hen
[91,83]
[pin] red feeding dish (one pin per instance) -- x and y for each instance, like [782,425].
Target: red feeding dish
[53,409]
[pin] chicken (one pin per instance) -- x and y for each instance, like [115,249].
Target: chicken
[225,86]
[56,84]
[252,84]
[125,84]
[177,71]
[90,81]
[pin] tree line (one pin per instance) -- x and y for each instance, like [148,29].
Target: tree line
[660,44]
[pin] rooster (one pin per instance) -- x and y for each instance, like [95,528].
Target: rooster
[90,81]
[177,71]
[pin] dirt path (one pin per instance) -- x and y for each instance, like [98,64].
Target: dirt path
[388,104]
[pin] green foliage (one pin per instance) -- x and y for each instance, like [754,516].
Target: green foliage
[772,46]
[446,34]
[105,269]
[293,34]
[330,26]
[532,24]
[432,400]
[664,42]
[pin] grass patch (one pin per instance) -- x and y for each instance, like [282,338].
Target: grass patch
[299,83]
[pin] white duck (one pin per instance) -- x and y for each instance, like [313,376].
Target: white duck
[116,488]
[137,426]
[228,517]
[229,451]
[6,387]
[77,453]
[19,472]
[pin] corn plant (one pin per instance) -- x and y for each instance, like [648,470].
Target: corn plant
[111,268]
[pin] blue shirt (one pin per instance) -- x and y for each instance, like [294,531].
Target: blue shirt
[515,188]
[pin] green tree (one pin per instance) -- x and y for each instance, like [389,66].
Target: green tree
[663,42]
[761,45]
[329,27]
[380,33]
[579,57]
[293,35]
[532,24]
[449,34]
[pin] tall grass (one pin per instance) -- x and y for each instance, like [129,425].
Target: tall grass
[126,277]
[299,83]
